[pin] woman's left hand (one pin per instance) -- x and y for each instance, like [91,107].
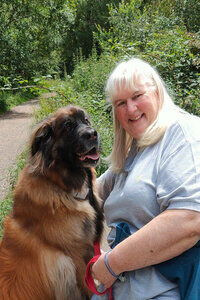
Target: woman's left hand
[100,272]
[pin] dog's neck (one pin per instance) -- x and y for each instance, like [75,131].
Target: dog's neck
[83,193]
[70,182]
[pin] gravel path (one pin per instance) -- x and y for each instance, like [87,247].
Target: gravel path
[15,130]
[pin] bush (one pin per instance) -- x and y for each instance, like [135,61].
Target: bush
[161,38]
[10,99]
[87,14]
[30,38]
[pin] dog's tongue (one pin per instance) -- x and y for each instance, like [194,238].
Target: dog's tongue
[94,156]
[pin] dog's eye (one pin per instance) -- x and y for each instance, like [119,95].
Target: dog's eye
[68,125]
[87,121]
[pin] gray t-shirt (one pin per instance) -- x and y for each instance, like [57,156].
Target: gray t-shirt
[163,176]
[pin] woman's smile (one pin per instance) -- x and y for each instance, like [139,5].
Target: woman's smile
[136,118]
[136,110]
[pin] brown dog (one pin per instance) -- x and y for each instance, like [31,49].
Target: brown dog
[48,238]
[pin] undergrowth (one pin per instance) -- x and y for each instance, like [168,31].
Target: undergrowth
[7,202]
[10,99]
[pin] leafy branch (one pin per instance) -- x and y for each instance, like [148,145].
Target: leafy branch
[33,86]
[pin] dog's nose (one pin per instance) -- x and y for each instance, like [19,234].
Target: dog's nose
[91,134]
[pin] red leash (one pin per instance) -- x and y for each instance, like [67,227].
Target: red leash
[88,277]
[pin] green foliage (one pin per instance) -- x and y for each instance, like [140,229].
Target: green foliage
[47,37]
[30,38]
[191,14]
[5,208]
[91,74]
[6,204]
[61,95]
[10,99]
[160,37]
[79,38]
[181,11]
[15,171]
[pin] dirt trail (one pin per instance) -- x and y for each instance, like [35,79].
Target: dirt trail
[15,129]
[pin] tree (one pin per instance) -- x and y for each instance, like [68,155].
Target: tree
[79,39]
[31,38]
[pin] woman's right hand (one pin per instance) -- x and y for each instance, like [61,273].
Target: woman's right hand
[101,273]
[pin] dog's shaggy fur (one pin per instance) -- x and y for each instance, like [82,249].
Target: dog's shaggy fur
[48,238]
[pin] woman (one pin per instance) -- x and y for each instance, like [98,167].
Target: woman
[153,185]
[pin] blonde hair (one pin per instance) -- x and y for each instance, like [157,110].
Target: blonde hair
[128,75]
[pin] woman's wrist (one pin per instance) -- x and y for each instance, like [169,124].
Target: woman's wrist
[119,276]
[112,263]
[107,264]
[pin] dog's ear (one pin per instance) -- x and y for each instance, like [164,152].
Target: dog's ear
[41,138]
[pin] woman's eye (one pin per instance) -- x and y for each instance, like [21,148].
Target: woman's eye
[137,96]
[120,103]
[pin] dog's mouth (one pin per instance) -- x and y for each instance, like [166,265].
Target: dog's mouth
[92,155]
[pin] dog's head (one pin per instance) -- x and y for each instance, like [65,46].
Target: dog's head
[65,139]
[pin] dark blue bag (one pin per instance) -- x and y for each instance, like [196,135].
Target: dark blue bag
[184,270]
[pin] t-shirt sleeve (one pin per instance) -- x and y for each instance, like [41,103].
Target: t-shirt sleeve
[105,184]
[178,180]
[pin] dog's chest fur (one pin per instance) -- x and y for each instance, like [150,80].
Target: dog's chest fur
[70,215]
[64,226]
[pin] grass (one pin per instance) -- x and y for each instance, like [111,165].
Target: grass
[10,99]
[7,202]
[5,208]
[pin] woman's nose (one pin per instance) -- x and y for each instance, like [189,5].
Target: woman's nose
[131,106]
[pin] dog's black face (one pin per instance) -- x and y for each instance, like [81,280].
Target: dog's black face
[67,138]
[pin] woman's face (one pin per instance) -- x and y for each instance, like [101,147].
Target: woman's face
[136,110]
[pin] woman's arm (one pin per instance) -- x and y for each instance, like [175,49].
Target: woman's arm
[105,184]
[166,236]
